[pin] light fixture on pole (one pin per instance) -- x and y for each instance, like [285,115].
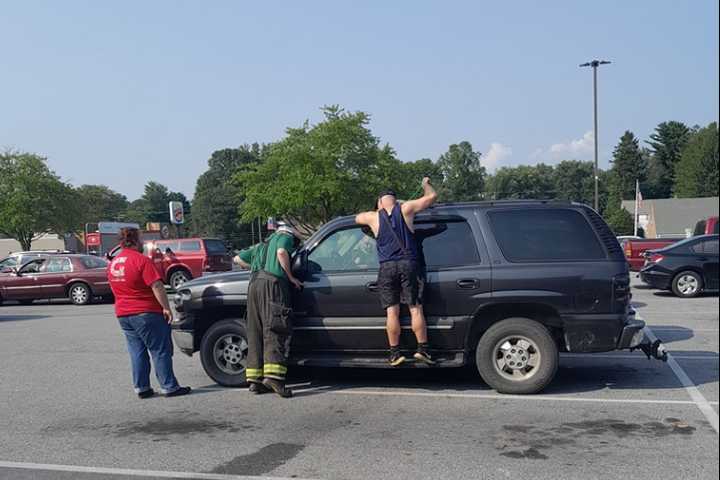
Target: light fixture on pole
[595,64]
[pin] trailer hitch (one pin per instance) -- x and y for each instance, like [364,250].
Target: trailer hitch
[655,350]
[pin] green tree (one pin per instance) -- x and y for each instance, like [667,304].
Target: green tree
[33,199]
[217,198]
[573,180]
[628,165]
[317,172]
[463,175]
[523,182]
[153,205]
[666,144]
[100,203]
[697,170]
[617,218]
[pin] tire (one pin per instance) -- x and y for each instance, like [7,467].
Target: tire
[178,277]
[226,368]
[532,352]
[687,284]
[79,294]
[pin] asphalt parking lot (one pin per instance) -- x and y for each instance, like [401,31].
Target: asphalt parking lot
[67,410]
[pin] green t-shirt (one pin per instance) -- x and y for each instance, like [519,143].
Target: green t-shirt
[254,254]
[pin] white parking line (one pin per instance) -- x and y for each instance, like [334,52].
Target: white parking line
[692,390]
[489,396]
[132,472]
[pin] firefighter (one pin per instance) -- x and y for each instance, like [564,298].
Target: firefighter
[269,310]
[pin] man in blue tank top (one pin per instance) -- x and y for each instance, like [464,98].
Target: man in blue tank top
[399,277]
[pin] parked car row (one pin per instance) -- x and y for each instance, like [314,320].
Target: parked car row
[45,274]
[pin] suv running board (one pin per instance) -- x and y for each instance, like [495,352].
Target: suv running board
[655,350]
[441,361]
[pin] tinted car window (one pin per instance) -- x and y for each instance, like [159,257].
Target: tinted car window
[446,244]
[165,245]
[33,266]
[8,262]
[91,262]
[190,246]
[57,265]
[698,247]
[345,250]
[215,247]
[535,235]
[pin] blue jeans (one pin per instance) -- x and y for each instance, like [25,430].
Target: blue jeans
[149,332]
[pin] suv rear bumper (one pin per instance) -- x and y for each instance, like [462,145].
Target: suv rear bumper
[632,334]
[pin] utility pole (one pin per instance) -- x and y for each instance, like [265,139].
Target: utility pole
[595,64]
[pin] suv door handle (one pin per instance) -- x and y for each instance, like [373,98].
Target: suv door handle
[372,286]
[468,283]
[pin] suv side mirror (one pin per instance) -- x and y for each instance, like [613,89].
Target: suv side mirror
[299,266]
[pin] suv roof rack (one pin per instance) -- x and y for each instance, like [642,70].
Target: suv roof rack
[490,203]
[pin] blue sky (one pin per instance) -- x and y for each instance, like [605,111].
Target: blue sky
[122,92]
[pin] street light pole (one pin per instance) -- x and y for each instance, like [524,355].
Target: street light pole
[595,64]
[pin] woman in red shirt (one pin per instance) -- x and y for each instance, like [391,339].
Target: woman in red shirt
[143,311]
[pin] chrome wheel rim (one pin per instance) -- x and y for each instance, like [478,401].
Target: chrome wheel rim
[178,280]
[230,353]
[688,284]
[79,294]
[517,358]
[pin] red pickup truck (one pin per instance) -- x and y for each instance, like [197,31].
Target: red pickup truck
[635,249]
[707,226]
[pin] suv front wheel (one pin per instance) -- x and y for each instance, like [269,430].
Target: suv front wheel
[517,355]
[223,353]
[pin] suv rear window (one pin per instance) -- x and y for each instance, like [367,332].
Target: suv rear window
[215,247]
[537,235]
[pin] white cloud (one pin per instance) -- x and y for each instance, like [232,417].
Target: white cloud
[495,155]
[579,149]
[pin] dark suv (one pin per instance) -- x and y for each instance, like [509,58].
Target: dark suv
[509,285]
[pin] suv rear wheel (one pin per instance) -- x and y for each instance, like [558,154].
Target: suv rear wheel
[687,284]
[223,353]
[517,355]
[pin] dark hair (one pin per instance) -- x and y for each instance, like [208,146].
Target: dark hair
[129,237]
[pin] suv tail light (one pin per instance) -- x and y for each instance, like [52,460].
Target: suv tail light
[621,290]
[655,258]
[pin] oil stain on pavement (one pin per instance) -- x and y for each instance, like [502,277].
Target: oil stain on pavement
[529,442]
[263,461]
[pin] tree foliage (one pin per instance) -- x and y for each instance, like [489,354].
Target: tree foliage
[463,178]
[317,172]
[33,199]
[153,205]
[697,170]
[217,198]
[628,165]
[523,182]
[666,145]
[100,203]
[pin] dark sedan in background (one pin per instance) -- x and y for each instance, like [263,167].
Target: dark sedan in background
[78,278]
[686,268]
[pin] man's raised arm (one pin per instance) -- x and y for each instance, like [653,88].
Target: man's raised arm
[420,204]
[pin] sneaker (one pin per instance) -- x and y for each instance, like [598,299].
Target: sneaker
[278,387]
[146,394]
[422,354]
[396,358]
[258,388]
[179,392]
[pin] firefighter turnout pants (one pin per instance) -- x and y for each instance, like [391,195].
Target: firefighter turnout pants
[269,327]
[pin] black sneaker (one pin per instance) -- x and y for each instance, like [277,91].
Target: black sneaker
[278,387]
[396,358]
[422,355]
[179,392]
[258,388]
[146,394]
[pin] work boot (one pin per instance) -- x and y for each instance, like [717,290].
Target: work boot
[258,388]
[396,358]
[422,354]
[277,386]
